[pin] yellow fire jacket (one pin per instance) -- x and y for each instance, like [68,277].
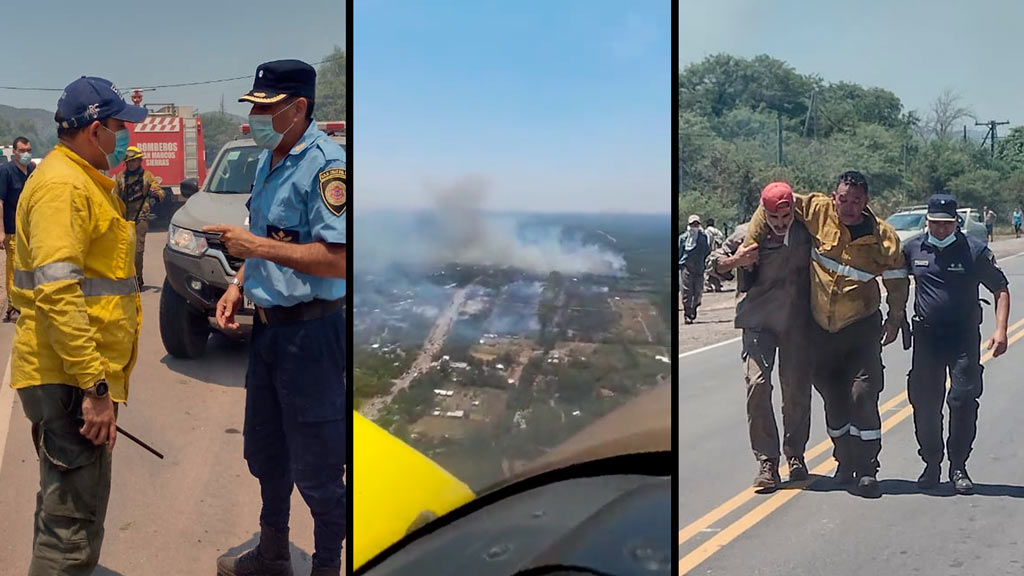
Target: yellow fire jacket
[844,288]
[74,280]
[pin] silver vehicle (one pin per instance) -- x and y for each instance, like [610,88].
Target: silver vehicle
[198,267]
[910,222]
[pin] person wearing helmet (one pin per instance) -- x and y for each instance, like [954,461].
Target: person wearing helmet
[136,187]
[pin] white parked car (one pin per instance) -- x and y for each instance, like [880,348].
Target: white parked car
[910,222]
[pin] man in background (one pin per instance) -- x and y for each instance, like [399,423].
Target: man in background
[693,252]
[13,176]
[137,188]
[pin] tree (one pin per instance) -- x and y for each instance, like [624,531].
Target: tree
[218,129]
[946,113]
[331,87]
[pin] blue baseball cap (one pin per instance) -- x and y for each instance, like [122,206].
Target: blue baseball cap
[89,99]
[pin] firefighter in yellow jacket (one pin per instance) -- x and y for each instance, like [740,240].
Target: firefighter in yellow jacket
[852,249]
[76,340]
[137,188]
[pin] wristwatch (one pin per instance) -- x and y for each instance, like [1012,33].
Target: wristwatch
[237,283]
[98,390]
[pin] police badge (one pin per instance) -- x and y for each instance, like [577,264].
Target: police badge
[333,190]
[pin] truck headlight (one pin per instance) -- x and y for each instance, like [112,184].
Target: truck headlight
[186,241]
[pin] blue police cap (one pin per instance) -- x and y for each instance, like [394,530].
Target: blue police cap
[89,99]
[280,79]
[942,208]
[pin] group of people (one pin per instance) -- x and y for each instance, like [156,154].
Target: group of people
[808,270]
[70,231]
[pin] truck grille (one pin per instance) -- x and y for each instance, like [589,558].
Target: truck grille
[216,244]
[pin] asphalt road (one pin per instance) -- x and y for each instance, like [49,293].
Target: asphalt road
[818,528]
[173,516]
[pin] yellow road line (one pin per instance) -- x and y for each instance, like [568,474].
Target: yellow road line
[748,520]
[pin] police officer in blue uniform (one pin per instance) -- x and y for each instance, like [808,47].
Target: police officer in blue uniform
[947,266]
[294,273]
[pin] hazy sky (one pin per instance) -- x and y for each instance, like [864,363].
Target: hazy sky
[49,44]
[915,48]
[558,106]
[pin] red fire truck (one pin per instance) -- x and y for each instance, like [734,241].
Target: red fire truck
[171,137]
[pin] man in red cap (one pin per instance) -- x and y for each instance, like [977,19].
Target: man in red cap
[773,310]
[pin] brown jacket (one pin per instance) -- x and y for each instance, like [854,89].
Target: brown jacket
[844,288]
[775,294]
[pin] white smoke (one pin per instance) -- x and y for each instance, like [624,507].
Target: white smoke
[466,235]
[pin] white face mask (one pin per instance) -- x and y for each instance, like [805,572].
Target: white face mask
[941,243]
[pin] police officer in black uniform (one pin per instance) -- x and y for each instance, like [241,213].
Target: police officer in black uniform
[947,266]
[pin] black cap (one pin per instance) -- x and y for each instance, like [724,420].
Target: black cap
[280,79]
[89,99]
[942,208]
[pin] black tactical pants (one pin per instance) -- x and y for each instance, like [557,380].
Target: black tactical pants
[936,353]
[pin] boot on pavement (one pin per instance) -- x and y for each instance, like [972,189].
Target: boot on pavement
[326,571]
[843,475]
[797,469]
[869,487]
[768,476]
[930,477]
[271,557]
[961,481]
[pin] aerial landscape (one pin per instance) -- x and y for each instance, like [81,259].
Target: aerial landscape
[485,340]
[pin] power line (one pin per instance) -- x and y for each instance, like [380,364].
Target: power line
[150,88]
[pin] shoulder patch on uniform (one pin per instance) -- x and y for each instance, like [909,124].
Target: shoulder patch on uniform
[333,190]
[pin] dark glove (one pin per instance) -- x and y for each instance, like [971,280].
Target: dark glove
[908,336]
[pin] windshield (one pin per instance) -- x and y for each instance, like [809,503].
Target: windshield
[235,171]
[501,326]
[907,221]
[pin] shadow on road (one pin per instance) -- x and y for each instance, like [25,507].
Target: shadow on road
[102,571]
[224,363]
[302,561]
[899,487]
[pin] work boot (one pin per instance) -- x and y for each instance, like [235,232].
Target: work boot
[961,481]
[326,571]
[843,475]
[271,557]
[930,477]
[768,477]
[797,469]
[869,487]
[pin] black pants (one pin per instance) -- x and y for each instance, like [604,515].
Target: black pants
[295,425]
[850,379]
[957,352]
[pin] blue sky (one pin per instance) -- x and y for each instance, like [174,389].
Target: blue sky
[557,106]
[51,43]
[915,48]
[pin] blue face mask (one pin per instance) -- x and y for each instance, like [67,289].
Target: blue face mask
[941,243]
[25,158]
[262,128]
[121,140]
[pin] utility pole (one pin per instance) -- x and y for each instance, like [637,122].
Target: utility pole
[992,132]
[778,122]
[965,132]
[810,111]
